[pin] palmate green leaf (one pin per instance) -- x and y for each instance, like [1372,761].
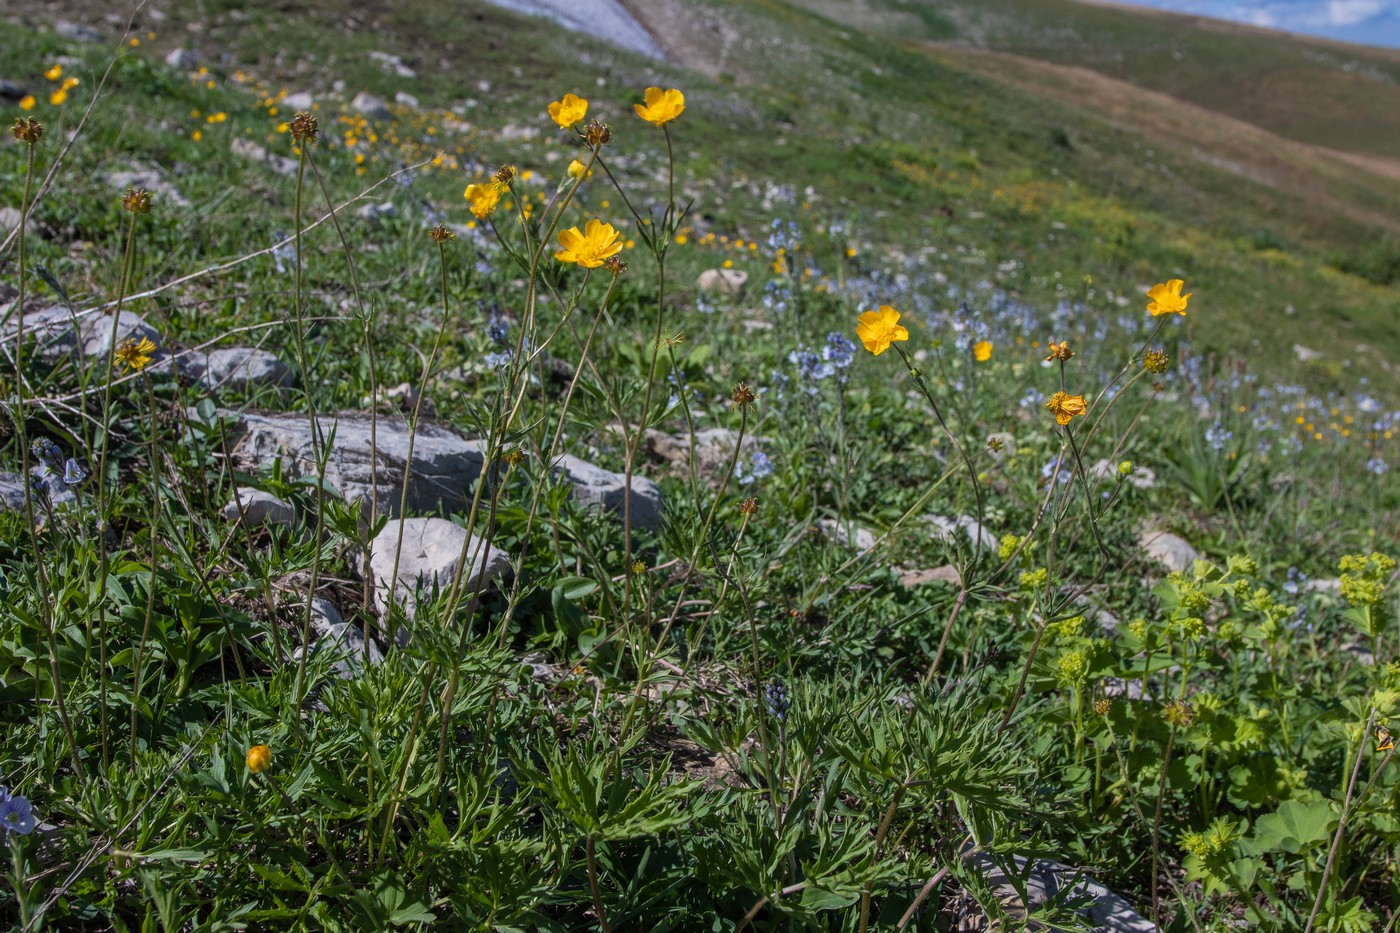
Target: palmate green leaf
[1295,828]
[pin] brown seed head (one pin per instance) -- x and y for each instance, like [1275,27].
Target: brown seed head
[1101,707]
[1179,714]
[137,200]
[441,234]
[749,506]
[505,175]
[304,127]
[742,395]
[1059,351]
[615,265]
[28,130]
[596,134]
[1155,361]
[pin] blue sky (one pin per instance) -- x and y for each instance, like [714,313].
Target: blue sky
[1373,22]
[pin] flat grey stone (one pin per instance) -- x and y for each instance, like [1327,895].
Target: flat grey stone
[52,331]
[1109,912]
[432,554]
[440,477]
[12,492]
[9,220]
[342,640]
[713,449]
[393,64]
[78,32]
[234,367]
[594,485]
[95,333]
[948,529]
[371,107]
[163,193]
[945,574]
[280,164]
[723,282]
[183,59]
[376,210]
[300,102]
[254,508]
[1171,551]
[841,533]
[1141,478]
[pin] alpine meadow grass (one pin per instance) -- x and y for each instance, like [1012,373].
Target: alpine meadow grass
[520,516]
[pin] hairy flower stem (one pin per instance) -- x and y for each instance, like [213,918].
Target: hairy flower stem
[318,451]
[46,603]
[594,887]
[1341,824]
[1157,826]
[138,659]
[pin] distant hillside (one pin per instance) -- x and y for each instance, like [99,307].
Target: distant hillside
[1023,142]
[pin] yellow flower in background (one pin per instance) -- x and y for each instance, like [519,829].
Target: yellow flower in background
[982,351]
[259,758]
[661,106]
[483,198]
[58,97]
[577,168]
[1066,407]
[27,102]
[133,356]
[878,329]
[596,243]
[1168,299]
[569,111]
[54,73]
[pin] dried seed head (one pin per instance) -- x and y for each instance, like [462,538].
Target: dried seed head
[597,134]
[28,130]
[742,395]
[505,175]
[515,457]
[749,506]
[441,234]
[304,127]
[1059,351]
[1155,361]
[615,265]
[137,200]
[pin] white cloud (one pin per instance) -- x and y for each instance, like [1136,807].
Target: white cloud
[1254,16]
[1352,12]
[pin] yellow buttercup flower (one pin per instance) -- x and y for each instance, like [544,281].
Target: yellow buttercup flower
[577,168]
[54,73]
[133,356]
[259,758]
[661,106]
[878,329]
[596,243]
[982,351]
[483,198]
[1066,407]
[1168,299]
[27,102]
[569,111]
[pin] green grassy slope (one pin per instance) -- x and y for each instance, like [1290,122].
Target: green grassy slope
[916,144]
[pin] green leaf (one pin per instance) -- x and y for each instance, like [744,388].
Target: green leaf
[1294,828]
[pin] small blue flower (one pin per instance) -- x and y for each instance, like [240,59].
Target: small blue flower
[1376,466]
[46,451]
[1057,468]
[497,360]
[73,474]
[498,330]
[838,351]
[16,813]
[775,698]
[757,467]
[1217,435]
